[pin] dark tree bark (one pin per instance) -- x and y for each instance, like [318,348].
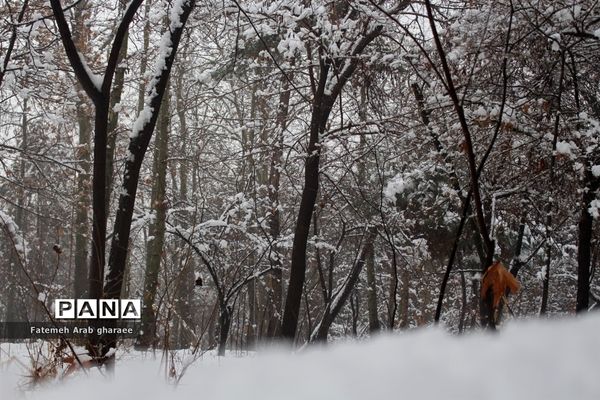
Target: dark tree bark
[475,170]
[321,107]
[100,94]
[224,325]
[138,146]
[337,302]
[584,248]
[517,263]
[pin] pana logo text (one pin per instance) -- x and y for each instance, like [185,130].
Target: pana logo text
[97,309]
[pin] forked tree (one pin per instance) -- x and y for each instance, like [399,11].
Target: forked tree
[100,89]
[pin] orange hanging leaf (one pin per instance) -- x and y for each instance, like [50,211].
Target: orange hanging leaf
[498,280]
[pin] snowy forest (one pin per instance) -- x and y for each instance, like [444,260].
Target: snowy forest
[293,171]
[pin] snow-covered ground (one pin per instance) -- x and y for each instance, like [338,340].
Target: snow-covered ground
[558,359]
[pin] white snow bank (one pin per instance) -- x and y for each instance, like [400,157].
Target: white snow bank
[547,360]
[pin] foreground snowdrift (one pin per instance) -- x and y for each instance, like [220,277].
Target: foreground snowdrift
[527,360]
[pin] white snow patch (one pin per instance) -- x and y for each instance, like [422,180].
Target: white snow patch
[396,186]
[594,209]
[549,360]
[14,233]
[564,148]
[555,39]
[165,48]
[96,79]
[141,121]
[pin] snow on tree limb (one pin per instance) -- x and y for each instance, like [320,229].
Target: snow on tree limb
[13,231]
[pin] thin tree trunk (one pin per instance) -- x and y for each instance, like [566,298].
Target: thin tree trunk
[372,305]
[138,146]
[274,279]
[82,222]
[144,60]
[224,325]
[355,310]
[374,324]
[486,311]
[338,301]
[320,114]
[100,95]
[185,282]
[113,117]
[82,204]
[137,150]
[15,311]
[156,230]
[463,302]
[251,334]
[404,299]
[517,263]
[585,234]
[321,108]
[13,39]
[549,206]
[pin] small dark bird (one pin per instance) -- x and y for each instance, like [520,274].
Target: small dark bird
[57,249]
[199,281]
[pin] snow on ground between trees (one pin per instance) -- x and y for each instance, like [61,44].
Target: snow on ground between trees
[555,359]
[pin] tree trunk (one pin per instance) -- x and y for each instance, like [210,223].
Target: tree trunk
[374,325]
[138,145]
[156,230]
[320,113]
[98,258]
[463,302]
[144,60]
[100,95]
[404,299]
[113,117]
[82,203]
[475,170]
[274,279]
[517,263]
[362,181]
[224,325]
[15,312]
[321,107]
[339,300]
[355,311]
[184,292]
[584,248]
[113,124]
[549,205]
[82,222]
[101,99]
[251,328]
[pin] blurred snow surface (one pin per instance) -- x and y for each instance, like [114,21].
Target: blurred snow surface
[552,359]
